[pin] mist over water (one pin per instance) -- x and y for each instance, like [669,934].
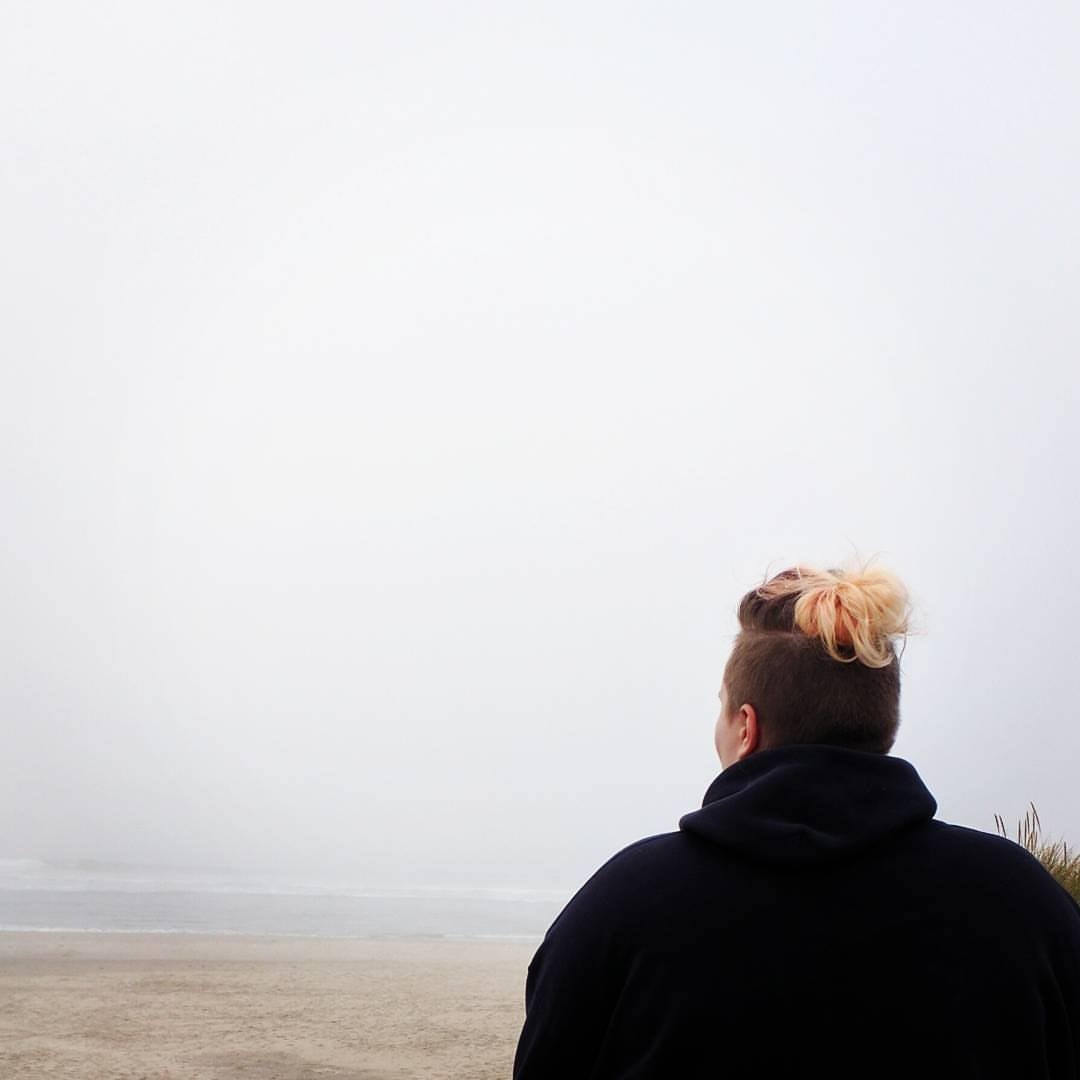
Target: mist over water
[396,402]
[89,897]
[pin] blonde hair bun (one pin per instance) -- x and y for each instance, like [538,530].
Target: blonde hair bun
[856,613]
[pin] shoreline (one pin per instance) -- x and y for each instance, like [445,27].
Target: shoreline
[104,931]
[224,1006]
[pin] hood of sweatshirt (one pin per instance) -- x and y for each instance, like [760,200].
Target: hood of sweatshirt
[810,804]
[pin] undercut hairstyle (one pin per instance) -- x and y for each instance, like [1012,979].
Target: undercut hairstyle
[816,657]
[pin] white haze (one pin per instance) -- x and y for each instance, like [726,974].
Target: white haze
[397,399]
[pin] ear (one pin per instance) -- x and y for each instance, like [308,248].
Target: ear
[749,731]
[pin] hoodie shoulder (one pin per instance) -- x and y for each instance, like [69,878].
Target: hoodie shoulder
[642,857]
[629,875]
[1002,864]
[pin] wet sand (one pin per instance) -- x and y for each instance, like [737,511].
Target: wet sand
[150,1007]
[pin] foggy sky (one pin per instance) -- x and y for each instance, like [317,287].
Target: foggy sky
[398,398]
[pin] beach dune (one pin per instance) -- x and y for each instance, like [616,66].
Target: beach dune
[156,1006]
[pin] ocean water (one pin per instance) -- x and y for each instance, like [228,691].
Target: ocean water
[96,897]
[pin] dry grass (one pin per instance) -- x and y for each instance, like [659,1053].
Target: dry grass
[1056,857]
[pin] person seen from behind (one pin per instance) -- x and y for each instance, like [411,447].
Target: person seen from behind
[813,918]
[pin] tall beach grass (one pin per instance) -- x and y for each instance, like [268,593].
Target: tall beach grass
[1063,864]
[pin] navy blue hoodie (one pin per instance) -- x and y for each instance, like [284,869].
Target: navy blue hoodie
[812,919]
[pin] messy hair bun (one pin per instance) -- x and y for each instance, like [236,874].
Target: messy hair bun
[794,629]
[856,614]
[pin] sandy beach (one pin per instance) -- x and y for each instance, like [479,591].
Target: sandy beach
[156,1006]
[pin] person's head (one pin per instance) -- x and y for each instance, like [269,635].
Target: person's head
[815,662]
